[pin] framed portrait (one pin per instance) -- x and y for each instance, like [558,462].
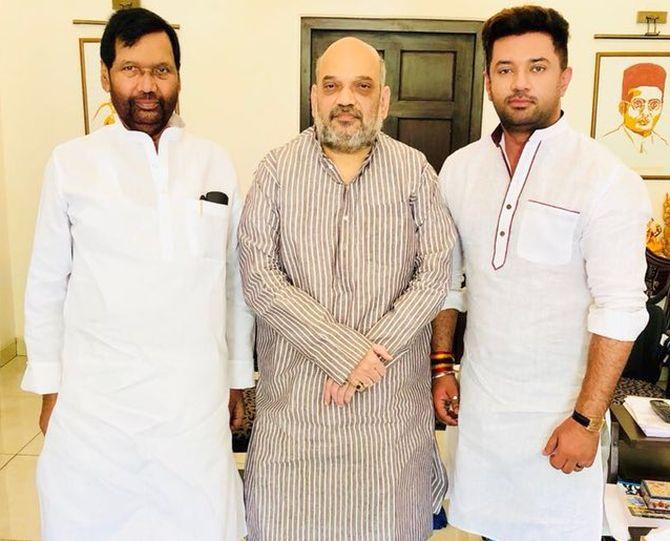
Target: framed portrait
[628,114]
[98,108]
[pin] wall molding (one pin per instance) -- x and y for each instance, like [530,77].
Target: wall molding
[8,352]
[20,346]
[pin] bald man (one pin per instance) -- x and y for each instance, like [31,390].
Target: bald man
[345,250]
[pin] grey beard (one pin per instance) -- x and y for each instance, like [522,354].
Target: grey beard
[347,143]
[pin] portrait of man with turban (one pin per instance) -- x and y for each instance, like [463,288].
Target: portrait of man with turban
[641,107]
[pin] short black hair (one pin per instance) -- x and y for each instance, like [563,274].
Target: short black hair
[523,19]
[128,26]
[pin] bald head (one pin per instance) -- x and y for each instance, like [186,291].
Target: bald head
[353,55]
[349,99]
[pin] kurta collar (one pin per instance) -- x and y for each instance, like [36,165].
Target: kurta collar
[174,131]
[557,128]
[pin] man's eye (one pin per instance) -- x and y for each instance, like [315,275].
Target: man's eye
[538,69]
[504,71]
[128,68]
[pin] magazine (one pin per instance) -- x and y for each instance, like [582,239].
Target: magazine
[637,506]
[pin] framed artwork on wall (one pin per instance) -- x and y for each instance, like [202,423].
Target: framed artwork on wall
[628,109]
[98,108]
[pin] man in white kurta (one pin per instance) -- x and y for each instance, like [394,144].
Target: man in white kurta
[552,250]
[134,316]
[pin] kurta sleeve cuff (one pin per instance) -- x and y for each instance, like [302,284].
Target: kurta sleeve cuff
[618,325]
[241,374]
[42,378]
[348,348]
[456,300]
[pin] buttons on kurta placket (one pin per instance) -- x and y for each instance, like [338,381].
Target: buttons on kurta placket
[514,189]
[341,242]
[159,173]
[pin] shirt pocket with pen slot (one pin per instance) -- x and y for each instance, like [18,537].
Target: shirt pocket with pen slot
[547,233]
[208,229]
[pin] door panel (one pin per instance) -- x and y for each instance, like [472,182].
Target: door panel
[435,78]
[432,137]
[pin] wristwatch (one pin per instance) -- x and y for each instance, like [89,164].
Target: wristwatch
[592,424]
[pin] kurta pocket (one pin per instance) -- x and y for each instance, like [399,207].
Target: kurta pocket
[208,229]
[546,235]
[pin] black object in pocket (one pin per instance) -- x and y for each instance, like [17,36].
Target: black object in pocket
[215,197]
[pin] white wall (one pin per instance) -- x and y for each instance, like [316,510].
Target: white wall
[7,330]
[241,62]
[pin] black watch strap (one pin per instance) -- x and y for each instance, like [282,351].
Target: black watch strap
[581,419]
[592,424]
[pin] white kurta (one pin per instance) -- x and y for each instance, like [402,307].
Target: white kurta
[551,255]
[135,316]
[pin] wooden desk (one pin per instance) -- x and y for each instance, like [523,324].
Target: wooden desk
[635,456]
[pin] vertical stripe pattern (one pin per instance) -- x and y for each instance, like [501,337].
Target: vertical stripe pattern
[329,269]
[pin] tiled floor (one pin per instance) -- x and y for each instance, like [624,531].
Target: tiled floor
[21,443]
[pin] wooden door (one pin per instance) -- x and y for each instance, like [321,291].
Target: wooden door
[434,70]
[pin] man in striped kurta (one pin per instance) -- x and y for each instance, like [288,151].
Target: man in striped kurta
[345,251]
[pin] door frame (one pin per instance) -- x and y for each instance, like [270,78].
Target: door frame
[434,26]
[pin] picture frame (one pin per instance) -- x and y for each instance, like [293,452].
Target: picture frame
[628,113]
[98,108]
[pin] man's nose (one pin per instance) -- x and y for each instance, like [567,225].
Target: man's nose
[648,108]
[147,82]
[345,96]
[520,81]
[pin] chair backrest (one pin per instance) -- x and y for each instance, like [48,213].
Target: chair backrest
[644,361]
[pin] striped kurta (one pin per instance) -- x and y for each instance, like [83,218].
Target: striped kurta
[330,268]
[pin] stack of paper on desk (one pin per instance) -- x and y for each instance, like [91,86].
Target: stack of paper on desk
[651,424]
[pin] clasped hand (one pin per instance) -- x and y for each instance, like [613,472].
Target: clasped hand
[571,447]
[370,370]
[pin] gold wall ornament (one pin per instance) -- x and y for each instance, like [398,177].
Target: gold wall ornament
[654,237]
[125,4]
[109,113]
